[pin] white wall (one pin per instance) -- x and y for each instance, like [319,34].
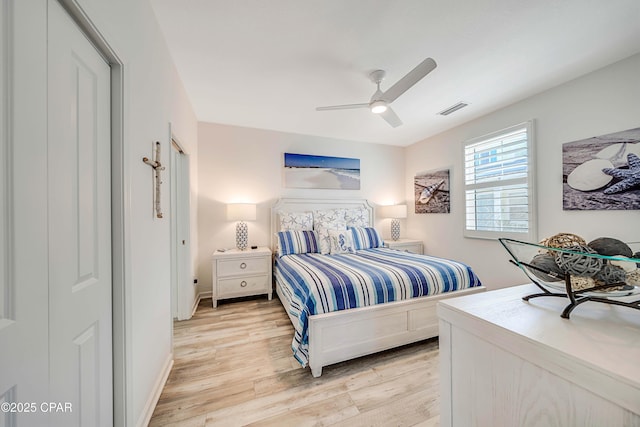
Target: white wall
[153,97]
[598,103]
[237,164]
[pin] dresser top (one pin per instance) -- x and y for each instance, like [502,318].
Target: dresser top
[403,241]
[236,253]
[599,337]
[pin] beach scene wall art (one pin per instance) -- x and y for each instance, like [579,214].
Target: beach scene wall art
[308,171]
[432,192]
[602,172]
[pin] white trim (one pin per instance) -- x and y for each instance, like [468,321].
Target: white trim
[7,288]
[173,226]
[196,303]
[150,406]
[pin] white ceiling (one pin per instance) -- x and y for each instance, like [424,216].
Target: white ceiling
[268,64]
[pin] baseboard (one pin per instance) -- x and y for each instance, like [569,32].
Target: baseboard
[147,413]
[195,304]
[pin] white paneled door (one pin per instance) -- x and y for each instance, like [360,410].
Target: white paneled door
[79,224]
[23,275]
[183,294]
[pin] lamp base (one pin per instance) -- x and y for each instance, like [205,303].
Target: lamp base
[242,235]
[395,229]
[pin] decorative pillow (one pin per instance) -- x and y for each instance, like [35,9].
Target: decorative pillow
[357,217]
[296,220]
[341,242]
[366,237]
[297,242]
[330,219]
[324,240]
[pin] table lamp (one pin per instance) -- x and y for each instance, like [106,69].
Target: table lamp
[241,212]
[395,212]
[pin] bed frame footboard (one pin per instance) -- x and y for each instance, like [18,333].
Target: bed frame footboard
[343,335]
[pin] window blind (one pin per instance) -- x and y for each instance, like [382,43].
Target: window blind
[498,180]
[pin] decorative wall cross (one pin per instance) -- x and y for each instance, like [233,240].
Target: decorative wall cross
[157,167]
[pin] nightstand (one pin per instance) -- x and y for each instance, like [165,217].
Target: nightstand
[407,245]
[241,273]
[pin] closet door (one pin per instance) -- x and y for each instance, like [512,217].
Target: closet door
[24,313]
[79,217]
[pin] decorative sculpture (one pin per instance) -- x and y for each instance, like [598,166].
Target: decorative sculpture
[157,167]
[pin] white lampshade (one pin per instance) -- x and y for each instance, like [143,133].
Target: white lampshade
[241,212]
[393,211]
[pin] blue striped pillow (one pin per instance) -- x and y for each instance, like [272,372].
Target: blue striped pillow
[297,242]
[366,237]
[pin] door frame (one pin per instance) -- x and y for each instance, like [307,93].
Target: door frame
[181,274]
[120,216]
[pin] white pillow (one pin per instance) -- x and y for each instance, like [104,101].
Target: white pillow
[341,242]
[296,221]
[357,218]
[324,240]
[329,218]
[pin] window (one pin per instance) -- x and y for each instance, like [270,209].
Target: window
[498,183]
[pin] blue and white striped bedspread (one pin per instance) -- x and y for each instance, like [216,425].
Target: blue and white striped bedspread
[316,283]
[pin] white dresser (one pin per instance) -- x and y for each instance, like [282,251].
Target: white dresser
[506,362]
[238,273]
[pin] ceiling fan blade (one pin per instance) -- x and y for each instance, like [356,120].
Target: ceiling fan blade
[391,117]
[413,77]
[341,107]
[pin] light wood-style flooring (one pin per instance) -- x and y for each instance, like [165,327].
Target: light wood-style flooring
[234,367]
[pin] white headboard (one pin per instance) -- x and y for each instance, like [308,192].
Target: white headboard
[305,205]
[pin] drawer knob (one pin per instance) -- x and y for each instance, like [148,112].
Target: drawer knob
[243,265]
[243,283]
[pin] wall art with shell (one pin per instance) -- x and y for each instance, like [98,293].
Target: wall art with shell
[602,172]
[432,192]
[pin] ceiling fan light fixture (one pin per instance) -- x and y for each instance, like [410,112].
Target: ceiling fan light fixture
[380,101]
[378,107]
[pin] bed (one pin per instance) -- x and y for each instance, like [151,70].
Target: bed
[360,298]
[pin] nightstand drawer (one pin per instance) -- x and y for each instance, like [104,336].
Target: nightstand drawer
[241,285]
[243,266]
[405,245]
[416,249]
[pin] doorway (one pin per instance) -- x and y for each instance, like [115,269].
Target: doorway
[183,291]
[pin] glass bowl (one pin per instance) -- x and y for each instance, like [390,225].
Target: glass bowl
[581,275]
[601,275]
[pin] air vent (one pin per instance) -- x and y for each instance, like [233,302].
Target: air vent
[453,108]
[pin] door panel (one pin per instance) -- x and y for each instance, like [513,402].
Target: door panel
[183,294]
[23,257]
[5,284]
[79,217]
[187,294]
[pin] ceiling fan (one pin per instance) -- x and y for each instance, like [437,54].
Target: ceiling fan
[379,103]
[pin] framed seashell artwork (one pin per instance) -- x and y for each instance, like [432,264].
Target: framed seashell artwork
[432,192]
[602,172]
